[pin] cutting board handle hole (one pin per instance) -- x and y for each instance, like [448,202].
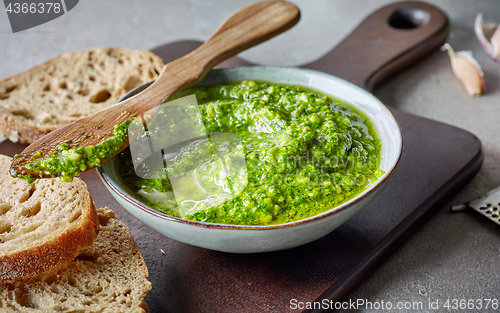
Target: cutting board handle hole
[409,17]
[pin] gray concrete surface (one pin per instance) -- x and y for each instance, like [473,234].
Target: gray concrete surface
[454,256]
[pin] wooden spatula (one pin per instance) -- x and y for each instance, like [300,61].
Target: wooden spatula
[247,27]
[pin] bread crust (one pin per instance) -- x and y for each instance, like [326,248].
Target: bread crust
[58,248]
[109,276]
[62,249]
[69,87]
[16,131]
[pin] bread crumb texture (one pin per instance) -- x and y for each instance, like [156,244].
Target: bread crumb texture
[109,276]
[42,224]
[69,87]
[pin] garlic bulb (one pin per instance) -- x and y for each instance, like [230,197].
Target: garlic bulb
[489,37]
[467,70]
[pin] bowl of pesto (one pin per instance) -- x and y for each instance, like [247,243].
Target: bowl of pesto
[256,159]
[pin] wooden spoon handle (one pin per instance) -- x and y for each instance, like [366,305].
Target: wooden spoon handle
[387,41]
[247,27]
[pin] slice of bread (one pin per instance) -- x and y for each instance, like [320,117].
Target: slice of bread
[69,87]
[42,224]
[110,276]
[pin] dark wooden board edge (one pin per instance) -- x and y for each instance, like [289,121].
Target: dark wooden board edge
[471,163]
[413,127]
[409,226]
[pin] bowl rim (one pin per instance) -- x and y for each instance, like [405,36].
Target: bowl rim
[107,181]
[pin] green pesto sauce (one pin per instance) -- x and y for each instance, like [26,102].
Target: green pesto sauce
[67,162]
[305,153]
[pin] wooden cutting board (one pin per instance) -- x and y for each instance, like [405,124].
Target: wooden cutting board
[437,160]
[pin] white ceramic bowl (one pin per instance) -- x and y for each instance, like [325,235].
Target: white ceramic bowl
[251,239]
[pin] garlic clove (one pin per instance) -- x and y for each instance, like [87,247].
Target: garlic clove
[495,43]
[489,37]
[467,70]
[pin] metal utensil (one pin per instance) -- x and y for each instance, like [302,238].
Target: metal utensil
[487,205]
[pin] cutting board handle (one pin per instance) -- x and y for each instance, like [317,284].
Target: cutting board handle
[387,41]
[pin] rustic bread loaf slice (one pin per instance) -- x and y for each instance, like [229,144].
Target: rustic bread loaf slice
[68,87]
[42,224]
[110,276]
